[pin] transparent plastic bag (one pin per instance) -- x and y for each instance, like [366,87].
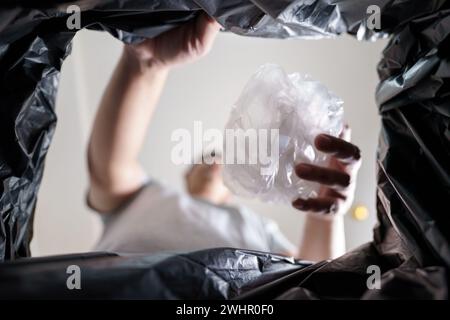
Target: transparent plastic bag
[299,108]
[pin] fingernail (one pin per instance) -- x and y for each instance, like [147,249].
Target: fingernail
[327,138]
[302,170]
[304,166]
[299,204]
[323,141]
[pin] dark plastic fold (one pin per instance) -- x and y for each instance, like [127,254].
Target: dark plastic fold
[221,273]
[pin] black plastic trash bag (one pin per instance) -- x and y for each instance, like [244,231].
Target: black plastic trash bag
[411,241]
[221,273]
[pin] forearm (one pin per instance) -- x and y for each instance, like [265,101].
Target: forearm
[322,238]
[121,124]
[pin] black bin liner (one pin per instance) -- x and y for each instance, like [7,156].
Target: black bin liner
[221,273]
[411,240]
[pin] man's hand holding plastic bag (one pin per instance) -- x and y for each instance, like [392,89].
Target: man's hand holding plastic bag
[337,180]
[309,165]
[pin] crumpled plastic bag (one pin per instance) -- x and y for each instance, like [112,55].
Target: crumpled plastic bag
[279,116]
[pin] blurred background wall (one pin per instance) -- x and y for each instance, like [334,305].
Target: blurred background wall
[202,91]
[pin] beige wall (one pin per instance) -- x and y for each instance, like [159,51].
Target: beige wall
[201,91]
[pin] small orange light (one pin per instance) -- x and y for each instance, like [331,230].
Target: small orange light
[360,213]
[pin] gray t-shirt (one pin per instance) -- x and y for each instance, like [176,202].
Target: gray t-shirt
[159,219]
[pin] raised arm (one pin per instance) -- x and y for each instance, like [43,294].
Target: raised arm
[127,106]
